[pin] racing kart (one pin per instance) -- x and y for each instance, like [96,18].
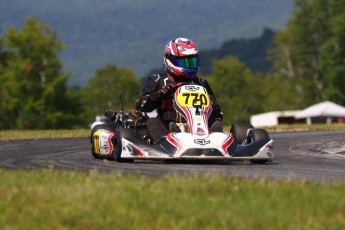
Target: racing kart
[131,137]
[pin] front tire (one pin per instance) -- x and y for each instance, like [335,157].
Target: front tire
[122,133]
[240,132]
[257,134]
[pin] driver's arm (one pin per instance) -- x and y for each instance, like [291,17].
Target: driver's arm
[215,106]
[148,100]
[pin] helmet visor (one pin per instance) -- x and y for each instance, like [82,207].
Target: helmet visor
[187,62]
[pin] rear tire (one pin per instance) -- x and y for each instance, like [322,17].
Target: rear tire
[122,133]
[255,135]
[240,132]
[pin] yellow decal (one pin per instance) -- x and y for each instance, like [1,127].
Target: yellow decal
[198,118]
[193,99]
[96,141]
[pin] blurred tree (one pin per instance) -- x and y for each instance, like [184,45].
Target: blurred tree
[33,87]
[310,51]
[280,93]
[3,53]
[237,90]
[104,89]
[332,53]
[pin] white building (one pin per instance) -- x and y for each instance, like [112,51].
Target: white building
[273,118]
[321,113]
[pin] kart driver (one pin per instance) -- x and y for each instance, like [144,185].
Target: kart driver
[181,61]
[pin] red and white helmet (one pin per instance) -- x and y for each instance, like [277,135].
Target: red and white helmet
[181,58]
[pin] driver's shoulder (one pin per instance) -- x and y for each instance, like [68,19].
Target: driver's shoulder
[201,81]
[158,76]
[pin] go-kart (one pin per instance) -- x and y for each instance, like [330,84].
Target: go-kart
[131,137]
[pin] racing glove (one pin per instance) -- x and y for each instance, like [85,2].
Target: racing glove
[166,91]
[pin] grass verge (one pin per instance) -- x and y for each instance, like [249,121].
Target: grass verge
[305,127]
[38,134]
[41,134]
[52,199]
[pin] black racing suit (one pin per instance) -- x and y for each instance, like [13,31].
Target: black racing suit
[151,99]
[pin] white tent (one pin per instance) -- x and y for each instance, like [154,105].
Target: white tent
[323,109]
[271,118]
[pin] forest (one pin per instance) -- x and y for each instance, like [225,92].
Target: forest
[301,64]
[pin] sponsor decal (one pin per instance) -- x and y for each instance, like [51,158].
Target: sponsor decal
[192,88]
[105,147]
[133,150]
[202,141]
[200,131]
[130,149]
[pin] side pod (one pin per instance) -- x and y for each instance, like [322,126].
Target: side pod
[251,149]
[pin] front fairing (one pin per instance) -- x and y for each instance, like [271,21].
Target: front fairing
[217,144]
[193,103]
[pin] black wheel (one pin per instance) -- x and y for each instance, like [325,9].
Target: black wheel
[96,156]
[240,132]
[255,135]
[110,126]
[122,133]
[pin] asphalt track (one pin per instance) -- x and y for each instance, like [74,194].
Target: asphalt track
[314,156]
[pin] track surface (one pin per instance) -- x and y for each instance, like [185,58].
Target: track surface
[298,155]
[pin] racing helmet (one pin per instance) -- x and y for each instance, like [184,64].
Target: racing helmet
[181,58]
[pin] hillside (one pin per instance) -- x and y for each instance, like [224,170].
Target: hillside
[250,51]
[132,33]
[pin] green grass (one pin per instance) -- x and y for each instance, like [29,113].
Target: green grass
[305,127]
[40,134]
[52,199]
[55,199]
[37,134]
